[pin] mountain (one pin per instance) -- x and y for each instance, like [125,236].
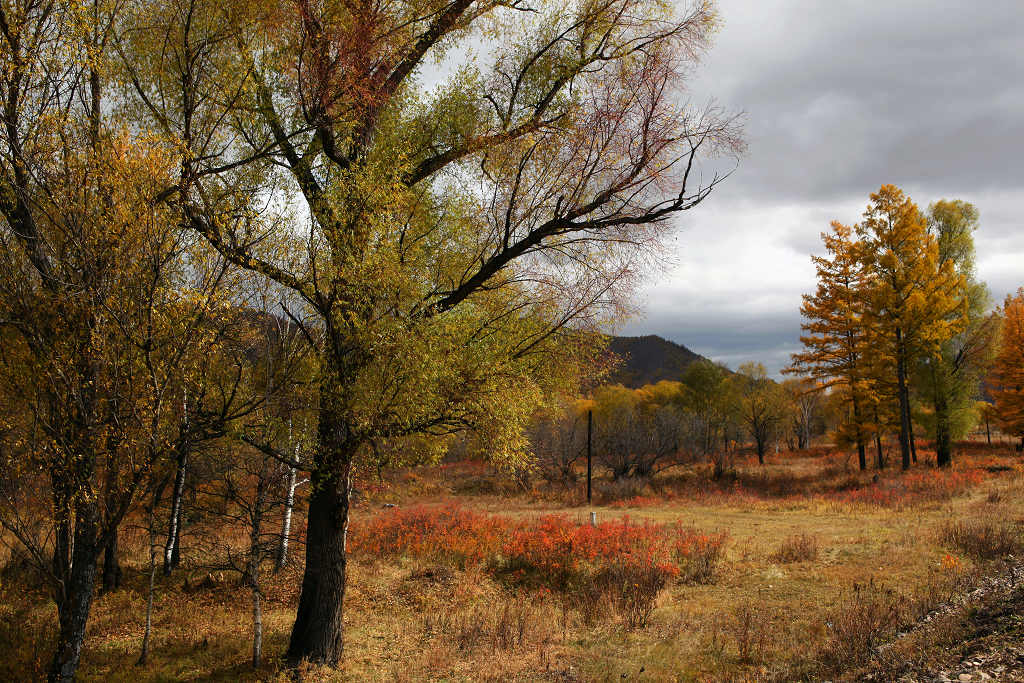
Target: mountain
[650,359]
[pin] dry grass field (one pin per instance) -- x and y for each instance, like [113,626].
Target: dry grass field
[795,570]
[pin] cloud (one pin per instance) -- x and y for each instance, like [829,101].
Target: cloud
[842,97]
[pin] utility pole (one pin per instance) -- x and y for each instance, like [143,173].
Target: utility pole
[590,429]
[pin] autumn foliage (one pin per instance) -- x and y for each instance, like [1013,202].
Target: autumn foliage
[552,551]
[1008,373]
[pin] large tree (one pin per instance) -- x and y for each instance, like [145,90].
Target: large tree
[949,380]
[916,300]
[835,337]
[453,239]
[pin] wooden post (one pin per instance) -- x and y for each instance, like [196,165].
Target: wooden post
[590,429]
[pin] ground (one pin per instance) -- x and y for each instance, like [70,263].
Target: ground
[826,574]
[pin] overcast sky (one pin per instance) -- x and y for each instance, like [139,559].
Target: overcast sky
[841,97]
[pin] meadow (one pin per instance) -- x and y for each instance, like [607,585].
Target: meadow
[798,569]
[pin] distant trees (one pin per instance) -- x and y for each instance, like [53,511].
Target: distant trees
[638,431]
[761,405]
[708,415]
[805,410]
[558,441]
[707,396]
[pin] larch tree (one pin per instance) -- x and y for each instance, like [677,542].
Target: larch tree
[1007,377]
[835,338]
[950,380]
[916,301]
[455,240]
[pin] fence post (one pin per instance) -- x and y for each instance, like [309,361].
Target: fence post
[590,428]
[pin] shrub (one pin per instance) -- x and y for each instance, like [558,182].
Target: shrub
[797,548]
[698,554]
[984,540]
[860,621]
[750,626]
[448,534]
[616,565]
[635,589]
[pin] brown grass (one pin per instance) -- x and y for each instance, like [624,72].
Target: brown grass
[776,609]
[984,539]
[796,548]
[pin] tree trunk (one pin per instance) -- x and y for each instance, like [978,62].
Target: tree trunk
[943,446]
[257,629]
[286,524]
[254,570]
[144,653]
[878,447]
[904,400]
[760,450]
[111,566]
[913,438]
[75,598]
[317,633]
[861,454]
[171,555]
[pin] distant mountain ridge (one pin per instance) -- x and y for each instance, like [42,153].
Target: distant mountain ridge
[649,359]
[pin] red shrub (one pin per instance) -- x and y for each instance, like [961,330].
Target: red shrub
[449,534]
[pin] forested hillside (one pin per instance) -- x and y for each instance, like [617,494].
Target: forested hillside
[649,360]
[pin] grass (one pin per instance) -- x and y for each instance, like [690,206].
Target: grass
[802,575]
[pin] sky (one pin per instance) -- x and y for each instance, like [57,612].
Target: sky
[840,97]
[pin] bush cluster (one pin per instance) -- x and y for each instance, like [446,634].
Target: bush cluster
[618,564]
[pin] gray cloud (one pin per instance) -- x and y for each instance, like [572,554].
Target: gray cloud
[841,97]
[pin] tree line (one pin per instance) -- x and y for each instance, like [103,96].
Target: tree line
[708,415]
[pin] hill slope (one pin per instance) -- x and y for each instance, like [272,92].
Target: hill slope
[649,359]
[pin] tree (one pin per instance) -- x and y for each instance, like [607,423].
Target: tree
[455,235]
[101,298]
[761,405]
[708,396]
[950,379]
[1008,372]
[916,301]
[836,339]
[558,438]
[804,397]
